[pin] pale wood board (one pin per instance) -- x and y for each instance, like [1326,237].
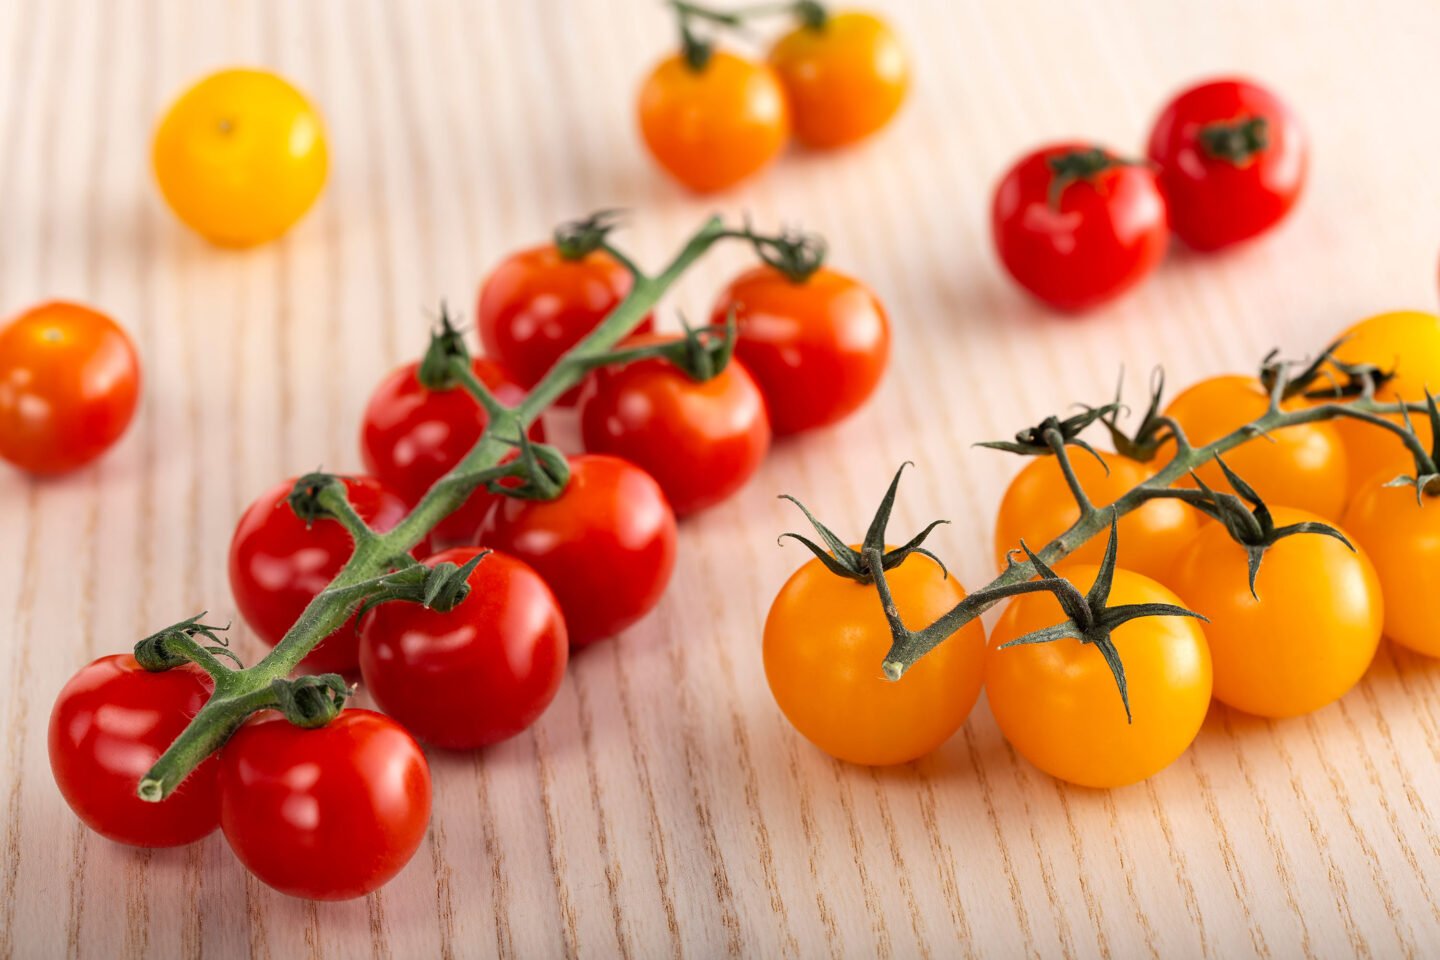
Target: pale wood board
[663,806]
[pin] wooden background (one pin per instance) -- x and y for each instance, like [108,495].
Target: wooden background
[662,806]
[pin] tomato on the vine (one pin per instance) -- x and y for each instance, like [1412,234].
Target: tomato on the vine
[825,638]
[713,124]
[240,157]
[1075,225]
[606,545]
[1232,161]
[278,565]
[474,675]
[1038,506]
[816,347]
[700,440]
[845,76]
[69,384]
[1401,535]
[1057,702]
[330,813]
[1302,466]
[110,723]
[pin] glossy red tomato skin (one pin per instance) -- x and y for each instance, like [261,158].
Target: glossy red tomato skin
[537,304]
[329,814]
[110,723]
[476,675]
[1214,202]
[701,441]
[817,349]
[606,546]
[411,437]
[1105,235]
[69,386]
[277,566]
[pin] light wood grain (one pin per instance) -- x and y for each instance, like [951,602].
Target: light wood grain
[662,807]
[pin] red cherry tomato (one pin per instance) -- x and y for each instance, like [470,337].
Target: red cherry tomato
[537,304]
[1232,161]
[412,437]
[606,546]
[69,384]
[478,674]
[701,441]
[817,348]
[277,565]
[329,814]
[1076,226]
[110,724]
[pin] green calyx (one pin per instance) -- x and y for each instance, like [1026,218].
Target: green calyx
[446,348]
[306,497]
[577,239]
[543,472]
[1077,165]
[1235,141]
[173,646]
[811,14]
[796,254]
[441,588]
[1154,430]
[1426,479]
[843,560]
[1050,435]
[312,701]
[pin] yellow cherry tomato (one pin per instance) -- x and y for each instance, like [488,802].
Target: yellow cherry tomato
[1301,466]
[1057,702]
[845,77]
[825,639]
[240,157]
[1309,637]
[1038,507]
[1402,537]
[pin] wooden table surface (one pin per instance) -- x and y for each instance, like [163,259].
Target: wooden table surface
[663,806]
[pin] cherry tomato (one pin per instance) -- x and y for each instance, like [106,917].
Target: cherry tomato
[1309,637]
[412,437]
[845,77]
[1076,226]
[606,545]
[240,157]
[1057,702]
[1302,466]
[701,441]
[277,566]
[476,675]
[1038,507]
[817,348]
[69,384]
[713,126]
[825,638]
[330,813]
[1232,161]
[1402,538]
[110,724]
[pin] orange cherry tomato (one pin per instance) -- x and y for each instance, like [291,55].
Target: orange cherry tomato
[1302,466]
[845,77]
[1057,702]
[713,126]
[69,385]
[1038,507]
[1401,535]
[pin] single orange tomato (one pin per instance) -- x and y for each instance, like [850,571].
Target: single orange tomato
[69,385]
[711,127]
[825,639]
[1057,702]
[1302,466]
[845,76]
[1401,535]
[1038,507]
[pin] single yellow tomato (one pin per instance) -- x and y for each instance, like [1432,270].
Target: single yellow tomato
[1401,534]
[240,157]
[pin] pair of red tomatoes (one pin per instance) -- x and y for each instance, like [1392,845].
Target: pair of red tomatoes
[1077,225]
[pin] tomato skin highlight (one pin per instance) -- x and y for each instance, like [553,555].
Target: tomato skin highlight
[277,566]
[109,725]
[606,545]
[1057,702]
[476,675]
[844,81]
[817,349]
[1105,235]
[69,385]
[1215,202]
[825,638]
[1402,538]
[329,814]
[701,441]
